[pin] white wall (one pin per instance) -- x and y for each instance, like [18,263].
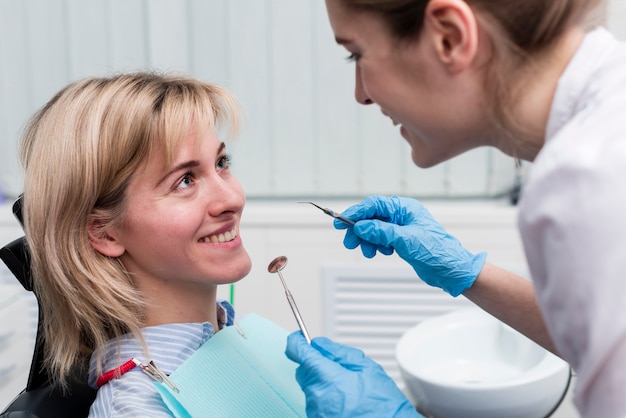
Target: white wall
[615,17]
[304,136]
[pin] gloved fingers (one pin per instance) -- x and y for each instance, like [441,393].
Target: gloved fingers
[372,207]
[338,224]
[349,357]
[317,365]
[368,249]
[327,347]
[393,209]
[298,349]
[350,240]
[377,232]
[339,380]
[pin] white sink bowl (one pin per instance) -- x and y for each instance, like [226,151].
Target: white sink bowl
[467,364]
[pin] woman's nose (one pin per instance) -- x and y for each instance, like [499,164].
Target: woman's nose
[225,195]
[359,90]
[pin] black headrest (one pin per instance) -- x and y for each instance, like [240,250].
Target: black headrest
[17,209]
[15,254]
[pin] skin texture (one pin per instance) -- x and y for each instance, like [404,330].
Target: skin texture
[178,206]
[433,86]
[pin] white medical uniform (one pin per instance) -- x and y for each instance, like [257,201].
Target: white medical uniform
[573,224]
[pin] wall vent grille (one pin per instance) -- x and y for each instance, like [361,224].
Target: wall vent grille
[371,307]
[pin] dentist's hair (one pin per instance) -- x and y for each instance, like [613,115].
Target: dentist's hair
[79,152]
[530,25]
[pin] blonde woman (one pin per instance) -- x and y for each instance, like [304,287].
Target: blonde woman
[533,80]
[132,219]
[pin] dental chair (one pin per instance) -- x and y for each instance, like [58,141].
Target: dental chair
[40,398]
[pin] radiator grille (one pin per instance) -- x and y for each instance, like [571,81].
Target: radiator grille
[371,307]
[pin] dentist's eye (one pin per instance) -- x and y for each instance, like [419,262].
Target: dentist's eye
[353,57]
[224,162]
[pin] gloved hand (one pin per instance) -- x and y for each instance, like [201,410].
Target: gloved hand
[402,224]
[339,381]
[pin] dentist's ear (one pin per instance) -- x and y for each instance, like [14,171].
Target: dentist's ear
[103,240]
[452,29]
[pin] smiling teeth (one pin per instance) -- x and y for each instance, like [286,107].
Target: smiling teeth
[226,236]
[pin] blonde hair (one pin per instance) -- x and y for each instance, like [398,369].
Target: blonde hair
[79,152]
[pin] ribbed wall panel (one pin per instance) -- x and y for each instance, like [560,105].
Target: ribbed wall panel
[371,308]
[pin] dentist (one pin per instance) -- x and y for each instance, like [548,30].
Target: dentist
[535,81]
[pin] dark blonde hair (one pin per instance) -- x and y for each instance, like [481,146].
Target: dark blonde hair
[79,153]
[530,25]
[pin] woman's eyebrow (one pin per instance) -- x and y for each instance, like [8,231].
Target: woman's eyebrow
[178,167]
[188,164]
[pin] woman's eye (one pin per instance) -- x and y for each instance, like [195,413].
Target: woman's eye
[186,181]
[224,162]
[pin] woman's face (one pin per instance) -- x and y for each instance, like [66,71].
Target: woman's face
[181,224]
[439,112]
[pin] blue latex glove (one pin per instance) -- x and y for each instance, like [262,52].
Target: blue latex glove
[339,381]
[402,224]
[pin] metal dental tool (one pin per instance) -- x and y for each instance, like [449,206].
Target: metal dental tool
[334,214]
[276,266]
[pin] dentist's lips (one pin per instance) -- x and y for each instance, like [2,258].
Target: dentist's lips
[395,122]
[219,238]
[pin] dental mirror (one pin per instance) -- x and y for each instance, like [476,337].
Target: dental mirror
[276,266]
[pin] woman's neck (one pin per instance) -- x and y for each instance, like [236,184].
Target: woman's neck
[176,304]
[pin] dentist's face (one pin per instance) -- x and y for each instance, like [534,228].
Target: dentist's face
[181,225]
[436,113]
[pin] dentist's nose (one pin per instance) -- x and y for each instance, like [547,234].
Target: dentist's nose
[359,90]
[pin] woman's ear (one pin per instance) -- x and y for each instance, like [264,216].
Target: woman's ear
[102,239]
[452,29]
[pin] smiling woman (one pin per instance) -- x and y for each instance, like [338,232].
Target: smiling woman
[134,230]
